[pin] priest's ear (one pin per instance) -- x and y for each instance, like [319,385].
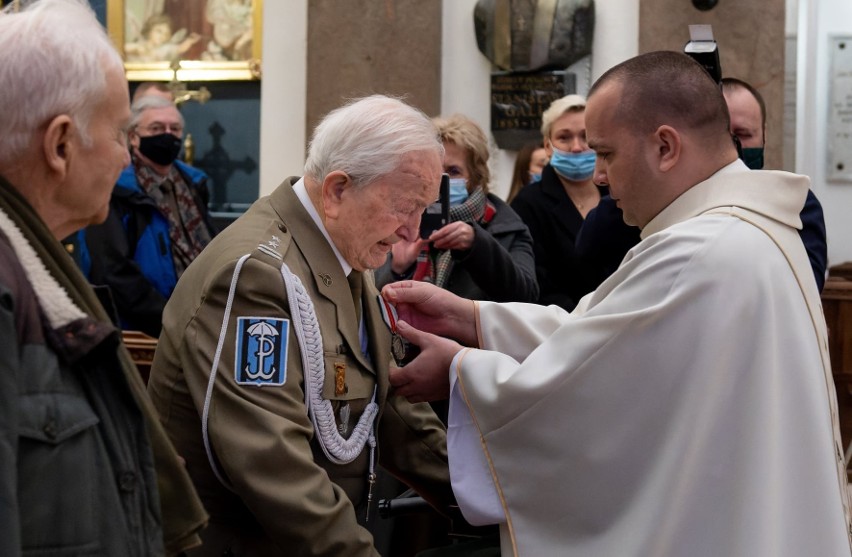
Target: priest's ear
[668,144]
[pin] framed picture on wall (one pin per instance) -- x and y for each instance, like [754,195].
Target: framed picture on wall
[202,40]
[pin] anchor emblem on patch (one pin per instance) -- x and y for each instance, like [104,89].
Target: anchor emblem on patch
[261,351]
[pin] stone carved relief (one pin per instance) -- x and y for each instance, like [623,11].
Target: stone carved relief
[529,35]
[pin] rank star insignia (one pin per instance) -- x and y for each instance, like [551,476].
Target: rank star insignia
[274,242]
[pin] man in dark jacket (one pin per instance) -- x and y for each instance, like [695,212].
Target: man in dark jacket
[79,441]
[158,220]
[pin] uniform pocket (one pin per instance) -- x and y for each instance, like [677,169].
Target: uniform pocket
[59,474]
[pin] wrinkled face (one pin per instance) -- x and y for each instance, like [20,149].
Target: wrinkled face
[568,133]
[624,161]
[455,162]
[372,217]
[92,174]
[746,122]
[538,160]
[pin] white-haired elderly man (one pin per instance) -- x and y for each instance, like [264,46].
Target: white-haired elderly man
[158,220]
[271,374]
[79,440]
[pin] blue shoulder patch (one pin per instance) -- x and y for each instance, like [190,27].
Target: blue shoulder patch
[261,352]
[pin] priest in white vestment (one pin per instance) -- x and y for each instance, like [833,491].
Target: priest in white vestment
[686,407]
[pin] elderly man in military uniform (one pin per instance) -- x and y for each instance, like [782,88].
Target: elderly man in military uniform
[271,374]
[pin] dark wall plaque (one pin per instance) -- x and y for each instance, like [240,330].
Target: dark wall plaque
[518,101]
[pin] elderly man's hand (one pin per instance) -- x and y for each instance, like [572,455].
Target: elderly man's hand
[434,310]
[426,377]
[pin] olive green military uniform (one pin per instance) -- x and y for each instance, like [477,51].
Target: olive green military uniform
[284,497]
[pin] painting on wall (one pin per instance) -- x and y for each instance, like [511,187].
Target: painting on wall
[190,40]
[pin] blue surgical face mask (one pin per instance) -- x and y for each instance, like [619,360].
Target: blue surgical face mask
[534,178]
[458,191]
[573,166]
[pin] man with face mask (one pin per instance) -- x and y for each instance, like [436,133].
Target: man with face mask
[748,125]
[158,221]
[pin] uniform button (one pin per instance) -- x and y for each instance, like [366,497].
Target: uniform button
[127,481]
[49,429]
[282,227]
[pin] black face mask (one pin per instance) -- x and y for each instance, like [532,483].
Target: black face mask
[163,149]
[753,157]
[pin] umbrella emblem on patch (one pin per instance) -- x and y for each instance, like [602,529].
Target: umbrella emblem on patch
[261,351]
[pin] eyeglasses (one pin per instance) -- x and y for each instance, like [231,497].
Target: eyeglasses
[158,127]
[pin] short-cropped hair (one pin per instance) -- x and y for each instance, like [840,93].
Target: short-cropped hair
[667,87]
[568,103]
[54,56]
[732,83]
[147,102]
[368,138]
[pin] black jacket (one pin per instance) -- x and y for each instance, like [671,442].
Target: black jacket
[554,223]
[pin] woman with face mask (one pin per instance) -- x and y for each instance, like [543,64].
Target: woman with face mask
[485,252]
[554,207]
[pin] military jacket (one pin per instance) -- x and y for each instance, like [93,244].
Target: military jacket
[279,493]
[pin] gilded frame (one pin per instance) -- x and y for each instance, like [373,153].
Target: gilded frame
[214,64]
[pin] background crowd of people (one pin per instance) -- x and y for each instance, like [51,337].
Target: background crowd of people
[638,329]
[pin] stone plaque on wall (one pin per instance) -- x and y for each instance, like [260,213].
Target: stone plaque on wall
[518,101]
[839,134]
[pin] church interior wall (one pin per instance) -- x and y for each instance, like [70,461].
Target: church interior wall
[279,111]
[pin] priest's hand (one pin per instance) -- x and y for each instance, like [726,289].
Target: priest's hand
[434,310]
[426,377]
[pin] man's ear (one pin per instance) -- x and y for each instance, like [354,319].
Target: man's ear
[334,185]
[57,145]
[668,143]
[548,147]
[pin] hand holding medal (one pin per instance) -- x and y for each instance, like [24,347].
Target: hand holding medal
[402,350]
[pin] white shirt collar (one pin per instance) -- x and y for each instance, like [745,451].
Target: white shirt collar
[302,193]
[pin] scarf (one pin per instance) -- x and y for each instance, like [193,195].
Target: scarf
[181,510]
[436,265]
[187,229]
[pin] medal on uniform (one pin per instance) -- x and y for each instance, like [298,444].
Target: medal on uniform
[390,317]
[340,388]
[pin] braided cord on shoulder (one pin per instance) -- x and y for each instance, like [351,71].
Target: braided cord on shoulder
[305,325]
[215,367]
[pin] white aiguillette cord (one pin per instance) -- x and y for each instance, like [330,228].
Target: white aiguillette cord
[337,449]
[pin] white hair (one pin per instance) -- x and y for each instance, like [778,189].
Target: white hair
[146,102]
[367,138]
[568,103]
[54,56]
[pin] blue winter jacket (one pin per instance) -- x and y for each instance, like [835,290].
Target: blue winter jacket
[131,252]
